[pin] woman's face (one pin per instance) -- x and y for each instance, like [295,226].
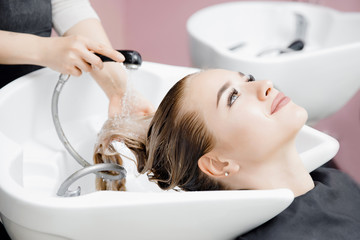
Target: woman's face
[250,120]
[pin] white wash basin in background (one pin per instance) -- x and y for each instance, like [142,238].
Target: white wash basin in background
[34,163]
[322,77]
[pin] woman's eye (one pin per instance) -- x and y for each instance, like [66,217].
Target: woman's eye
[232,97]
[251,78]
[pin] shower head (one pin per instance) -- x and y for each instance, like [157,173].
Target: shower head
[132,58]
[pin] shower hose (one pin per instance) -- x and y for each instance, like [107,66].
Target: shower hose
[132,61]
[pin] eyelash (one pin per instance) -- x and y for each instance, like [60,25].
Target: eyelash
[250,78]
[235,93]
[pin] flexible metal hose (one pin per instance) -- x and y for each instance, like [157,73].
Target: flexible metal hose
[88,168]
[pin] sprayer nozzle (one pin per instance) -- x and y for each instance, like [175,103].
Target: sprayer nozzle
[132,58]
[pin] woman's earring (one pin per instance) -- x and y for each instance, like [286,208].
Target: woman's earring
[226,174]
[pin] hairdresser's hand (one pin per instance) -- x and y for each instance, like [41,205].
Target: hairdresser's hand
[75,54]
[138,106]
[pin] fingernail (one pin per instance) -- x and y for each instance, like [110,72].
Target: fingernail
[121,57]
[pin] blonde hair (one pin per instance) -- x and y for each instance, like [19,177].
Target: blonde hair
[170,148]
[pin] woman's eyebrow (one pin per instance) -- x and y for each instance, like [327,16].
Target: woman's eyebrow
[224,87]
[221,91]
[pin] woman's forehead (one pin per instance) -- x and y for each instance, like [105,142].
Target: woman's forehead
[202,87]
[211,78]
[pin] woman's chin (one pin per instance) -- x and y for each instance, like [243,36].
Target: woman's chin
[302,115]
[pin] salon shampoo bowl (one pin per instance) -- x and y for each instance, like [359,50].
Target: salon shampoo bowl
[34,163]
[322,77]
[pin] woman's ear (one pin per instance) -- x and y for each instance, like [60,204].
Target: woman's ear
[214,166]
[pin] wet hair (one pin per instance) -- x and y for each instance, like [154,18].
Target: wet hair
[168,152]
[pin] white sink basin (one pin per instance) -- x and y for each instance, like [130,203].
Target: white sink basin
[34,163]
[322,77]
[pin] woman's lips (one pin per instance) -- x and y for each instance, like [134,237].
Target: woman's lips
[279,101]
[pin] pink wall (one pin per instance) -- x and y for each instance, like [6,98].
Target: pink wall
[345,127]
[157,29]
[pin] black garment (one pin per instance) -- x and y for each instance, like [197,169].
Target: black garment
[23,16]
[331,211]
[3,233]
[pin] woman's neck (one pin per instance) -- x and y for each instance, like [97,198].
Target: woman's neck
[283,169]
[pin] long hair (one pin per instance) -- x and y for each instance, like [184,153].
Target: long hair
[176,138]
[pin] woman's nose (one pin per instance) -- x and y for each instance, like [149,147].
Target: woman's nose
[264,87]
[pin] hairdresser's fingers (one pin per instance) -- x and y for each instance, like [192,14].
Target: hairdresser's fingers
[149,110]
[105,50]
[93,60]
[84,66]
[146,109]
[142,106]
[74,71]
[139,105]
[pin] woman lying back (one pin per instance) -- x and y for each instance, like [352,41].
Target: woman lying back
[221,130]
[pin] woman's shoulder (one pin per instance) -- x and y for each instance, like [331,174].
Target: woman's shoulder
[329,211]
